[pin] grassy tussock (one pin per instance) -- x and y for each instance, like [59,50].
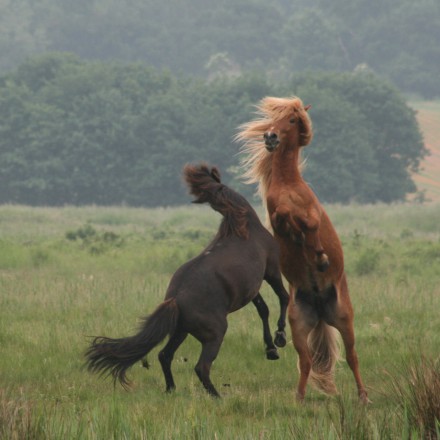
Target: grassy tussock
[15,418]
[417,391]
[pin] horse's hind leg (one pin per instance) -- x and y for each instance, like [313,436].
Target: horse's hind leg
[302,320]
[347,333]
[203,367]
[166,356]
[210,351]
[343,321]
[263,311]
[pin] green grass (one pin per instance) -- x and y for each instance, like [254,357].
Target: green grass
[69,273]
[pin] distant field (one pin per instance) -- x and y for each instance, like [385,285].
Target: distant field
[428,180]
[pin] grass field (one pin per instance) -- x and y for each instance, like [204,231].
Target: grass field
[69,273]
[428,179]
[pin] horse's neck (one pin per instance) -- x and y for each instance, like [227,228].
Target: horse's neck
[285,167]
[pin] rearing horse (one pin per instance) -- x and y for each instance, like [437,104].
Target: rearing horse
[222,279]
[311,253]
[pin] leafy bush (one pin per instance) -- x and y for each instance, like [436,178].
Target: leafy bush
[367,262]
[92,240]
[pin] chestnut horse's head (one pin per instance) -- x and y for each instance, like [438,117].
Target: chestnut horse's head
[288,123]
[279,121]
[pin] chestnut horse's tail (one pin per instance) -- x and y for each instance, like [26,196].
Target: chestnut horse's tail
[323,342]
[205,185]
[115,356]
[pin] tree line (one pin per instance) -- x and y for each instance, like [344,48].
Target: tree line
[82,132]
[394,38]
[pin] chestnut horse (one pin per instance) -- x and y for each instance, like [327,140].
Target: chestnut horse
[222,279]
[311,254]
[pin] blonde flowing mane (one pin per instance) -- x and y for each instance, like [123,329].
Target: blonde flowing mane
[257,161]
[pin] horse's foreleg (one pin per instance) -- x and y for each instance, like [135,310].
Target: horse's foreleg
[312,240]
[277,285]
[166,356]
[263,311]
[301,226]
[279,221]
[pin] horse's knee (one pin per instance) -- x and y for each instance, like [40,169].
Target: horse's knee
[280,222]
[262,308]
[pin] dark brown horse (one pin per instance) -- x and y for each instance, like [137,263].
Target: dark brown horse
[311,253]
[225,277]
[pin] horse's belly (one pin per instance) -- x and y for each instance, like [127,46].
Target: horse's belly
[241,285]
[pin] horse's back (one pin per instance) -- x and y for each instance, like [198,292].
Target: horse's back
[225,276]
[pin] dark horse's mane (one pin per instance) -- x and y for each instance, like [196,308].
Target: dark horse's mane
[205,184]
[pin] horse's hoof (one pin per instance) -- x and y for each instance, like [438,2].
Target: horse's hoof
[300,397]
[272,354]
[363,397]
[280,339]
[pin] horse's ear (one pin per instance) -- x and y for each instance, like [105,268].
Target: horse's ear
[306,132]
[215,174]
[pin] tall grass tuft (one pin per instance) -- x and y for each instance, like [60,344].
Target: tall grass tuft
[417,391]
[17,421]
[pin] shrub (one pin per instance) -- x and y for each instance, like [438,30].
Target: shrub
[367,262]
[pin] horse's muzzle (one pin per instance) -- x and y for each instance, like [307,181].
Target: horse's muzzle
[271,141]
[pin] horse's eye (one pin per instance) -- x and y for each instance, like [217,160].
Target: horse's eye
[292,120]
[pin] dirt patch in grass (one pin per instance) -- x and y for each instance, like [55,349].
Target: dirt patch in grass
[428,178]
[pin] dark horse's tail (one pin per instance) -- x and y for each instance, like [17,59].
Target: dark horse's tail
[205,185]
[115,356]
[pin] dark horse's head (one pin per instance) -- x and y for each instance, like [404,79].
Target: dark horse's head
[205,184]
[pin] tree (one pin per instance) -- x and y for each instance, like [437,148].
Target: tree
[76,132]
[393,37]
[19,36]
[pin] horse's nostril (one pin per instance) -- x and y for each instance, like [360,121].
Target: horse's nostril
[269,136]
